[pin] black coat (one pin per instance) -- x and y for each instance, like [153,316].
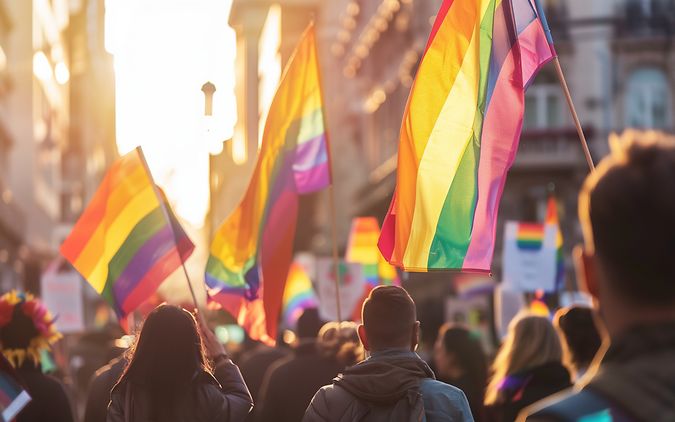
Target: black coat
[49,401]
[526,387]
[221,397]
[100,387]
[291,383]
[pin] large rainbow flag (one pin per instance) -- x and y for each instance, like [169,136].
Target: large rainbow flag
[460,133]
[127,241]
[252,250]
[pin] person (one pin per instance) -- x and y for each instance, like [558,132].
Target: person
[168,376]
[103,381]
[461,361]
[27,331]
[527,368]
[306,370]
[393,383]
[579,337]
[340,341]
[626,210]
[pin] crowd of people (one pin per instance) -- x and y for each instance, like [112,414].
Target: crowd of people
[613,362]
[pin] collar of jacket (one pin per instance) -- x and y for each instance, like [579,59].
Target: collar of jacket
[641,340]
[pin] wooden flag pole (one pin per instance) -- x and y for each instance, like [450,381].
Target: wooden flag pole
[333,218]
[573,111]
[168,219]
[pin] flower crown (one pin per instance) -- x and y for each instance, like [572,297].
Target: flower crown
[42,321]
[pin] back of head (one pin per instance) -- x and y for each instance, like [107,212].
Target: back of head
[168,351]
[340,341]
[581,338]
[466,349]
[531,342]
[389,317]
[309,324]
[626,209]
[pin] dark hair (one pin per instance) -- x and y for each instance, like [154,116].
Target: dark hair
[389,316]
[309,324]
[467,350]
[576,326]
[626,210]
[165,357]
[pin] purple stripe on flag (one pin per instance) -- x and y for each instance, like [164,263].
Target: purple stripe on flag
[310,153]
[314,179]
[151,251]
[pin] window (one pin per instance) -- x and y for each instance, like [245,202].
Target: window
[543,104]
[648,103]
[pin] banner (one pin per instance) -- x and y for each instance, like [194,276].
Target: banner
[529,257]
[62,295]
[352,286]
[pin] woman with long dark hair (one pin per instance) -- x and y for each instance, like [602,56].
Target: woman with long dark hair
[170,377]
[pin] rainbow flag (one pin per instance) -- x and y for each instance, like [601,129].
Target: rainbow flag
[460,133]
[13,397]
[530,236]
[298,295]
[127,241]
[362,249]
[552,218]
[251,252]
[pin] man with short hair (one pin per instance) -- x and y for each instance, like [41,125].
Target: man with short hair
[627,213]
[393,383]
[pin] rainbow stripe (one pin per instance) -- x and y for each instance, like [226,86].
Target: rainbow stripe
[253,247]
[298,295]
[127,242]
[530,236]
[362,249]
[552,218]
[460,133]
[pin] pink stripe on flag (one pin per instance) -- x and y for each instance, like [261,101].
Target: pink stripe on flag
[312,179]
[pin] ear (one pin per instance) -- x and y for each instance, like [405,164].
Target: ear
[415,336]
[586,269]
[363,337]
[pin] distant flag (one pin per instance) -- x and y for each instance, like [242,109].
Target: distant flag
[362,249]
[298,295]
[470,285]
[252,251]
[460,133]
[13,397]
[127,241]
[552,218]
[538,306]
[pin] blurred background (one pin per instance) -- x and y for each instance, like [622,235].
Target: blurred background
[83,81]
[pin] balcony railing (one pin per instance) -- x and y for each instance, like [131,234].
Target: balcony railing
[550,148]
[646,19]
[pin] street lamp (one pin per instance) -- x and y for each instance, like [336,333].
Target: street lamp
[213,144]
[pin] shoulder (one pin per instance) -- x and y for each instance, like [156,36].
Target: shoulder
[567,406]
[329,403]
[443,402]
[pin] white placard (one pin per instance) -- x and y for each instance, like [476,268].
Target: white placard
[62,295]
[528,270]
[352,288]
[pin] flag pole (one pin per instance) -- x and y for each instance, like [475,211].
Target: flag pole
[331,188]
[168,219]
[563,85]
[573,112]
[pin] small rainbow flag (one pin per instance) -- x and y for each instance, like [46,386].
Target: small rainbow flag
[552,218]
[252,250]
[530,236]
[13,397]
[127,241]
[460,132]
[298,294]
[362,249]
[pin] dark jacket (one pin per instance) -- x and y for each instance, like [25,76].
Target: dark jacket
[99,390]
[49,401]
[221,397]
[291,382]
[635,382]
[522,389]
[383,380]
[255,363]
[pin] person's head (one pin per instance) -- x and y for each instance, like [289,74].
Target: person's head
[626,210]
[579,336]
[340,341]
[459,353]
[309,324]
[531,341]
[389,320]
[168,351]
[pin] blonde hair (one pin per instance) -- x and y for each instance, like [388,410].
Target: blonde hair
[531,341]
[340,341]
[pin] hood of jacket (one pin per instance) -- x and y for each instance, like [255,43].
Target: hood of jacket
[638,372]
[385,377]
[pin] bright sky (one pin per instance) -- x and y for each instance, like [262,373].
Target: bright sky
[164,51]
